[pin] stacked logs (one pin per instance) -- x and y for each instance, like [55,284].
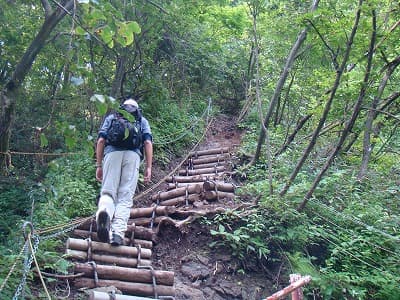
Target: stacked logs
[128,267]
[201,179]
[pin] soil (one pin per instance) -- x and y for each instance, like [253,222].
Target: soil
[201,271]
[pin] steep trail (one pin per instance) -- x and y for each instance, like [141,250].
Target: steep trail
[151,263]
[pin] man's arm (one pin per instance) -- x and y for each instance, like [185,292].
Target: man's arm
[148,150]
[99,158]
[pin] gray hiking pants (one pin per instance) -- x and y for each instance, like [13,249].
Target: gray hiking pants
[120,176]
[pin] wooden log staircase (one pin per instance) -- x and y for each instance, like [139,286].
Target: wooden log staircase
[128,268]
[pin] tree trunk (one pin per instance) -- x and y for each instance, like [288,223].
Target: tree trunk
[350,123]
[9,94]
[289,62]
[367,147]
[328,104]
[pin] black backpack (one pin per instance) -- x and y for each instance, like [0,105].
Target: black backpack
[124,134]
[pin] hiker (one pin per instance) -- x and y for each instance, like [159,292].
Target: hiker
[117,168]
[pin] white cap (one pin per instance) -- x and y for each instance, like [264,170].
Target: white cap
[131,102]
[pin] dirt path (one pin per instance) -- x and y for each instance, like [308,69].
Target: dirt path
[202,272]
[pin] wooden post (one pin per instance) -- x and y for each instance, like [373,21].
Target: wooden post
[298,293]
[287,290]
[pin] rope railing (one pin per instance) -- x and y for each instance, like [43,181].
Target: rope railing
[66,227]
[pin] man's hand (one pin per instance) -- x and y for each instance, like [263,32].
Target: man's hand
[147,175]
[99,174]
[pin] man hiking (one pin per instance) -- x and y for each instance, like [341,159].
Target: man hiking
[119,150]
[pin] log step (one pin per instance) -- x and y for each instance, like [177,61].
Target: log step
[128,268]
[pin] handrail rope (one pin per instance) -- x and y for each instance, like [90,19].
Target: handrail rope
[175,169]
[12,267]
[37,266]
[60,226]
[40,153]
[185,131]
[353,219]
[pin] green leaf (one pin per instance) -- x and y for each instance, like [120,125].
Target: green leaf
[43,140]
[133,27]
[107,34]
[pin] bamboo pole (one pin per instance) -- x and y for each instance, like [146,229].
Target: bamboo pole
[191,189]
[83,245]
[148,211]
[140,289]
[127,241]
[109,259]
[212,195]
[210,151]
[218,186]
[125,274]
[287,290]
[214,171]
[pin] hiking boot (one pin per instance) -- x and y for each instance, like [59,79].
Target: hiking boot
[116,240]
[103,227]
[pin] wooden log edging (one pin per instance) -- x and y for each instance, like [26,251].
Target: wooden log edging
[190,189]
[93,235]
[108,259]
[211,159]
[149,211]
[221,150]
[97,295]
[214,170]
[190,179]
[218,186]
[213,195]
[83,245]
[140,289]
[182,200]
[125,274]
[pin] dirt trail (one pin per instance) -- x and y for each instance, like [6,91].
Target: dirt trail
[202,272]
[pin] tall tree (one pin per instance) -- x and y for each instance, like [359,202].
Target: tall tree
[279,86]
[53,14]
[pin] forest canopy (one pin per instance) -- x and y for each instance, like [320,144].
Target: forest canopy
[314,85]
